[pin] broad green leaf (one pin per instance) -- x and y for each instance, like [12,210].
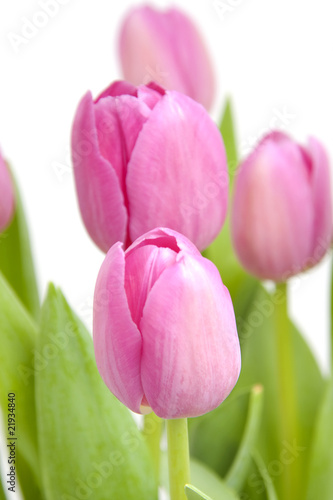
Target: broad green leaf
[259,366]
[16,260]
[89,444]
[202,477]
[320,475]
[193,493]
[216,438]
[18,335]
[239,469]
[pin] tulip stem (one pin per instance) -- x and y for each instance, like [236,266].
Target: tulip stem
[287,389]
[152,432]
[178,457]
[332,319]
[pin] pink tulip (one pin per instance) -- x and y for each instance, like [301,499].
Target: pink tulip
[164,328]
[282,208]
[165,47]
[7,203]
[144,157]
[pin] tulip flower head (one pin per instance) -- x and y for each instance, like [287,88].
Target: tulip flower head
[282,208]
[164,328]
[143,158]
[7,199]
[166,47]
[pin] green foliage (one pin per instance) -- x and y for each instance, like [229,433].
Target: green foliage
[16,262]
[203,479]
[225,438]
[17,373]
[193,493]
[320,476]
[88,442]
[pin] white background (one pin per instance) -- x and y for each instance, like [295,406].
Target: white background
[273,57]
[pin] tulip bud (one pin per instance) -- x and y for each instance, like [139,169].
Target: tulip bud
[144,157]
[165,47]
[164,328]
[282,208]
[7,203]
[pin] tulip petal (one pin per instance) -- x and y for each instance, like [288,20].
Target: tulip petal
[143,268]
[117,340]
[150,94]
[7,201]
[272,216]
[177,175]
[191,354]
[165,237]
[165,47]
[192,58]
[322,200]
[145,52]
[119,122]
[117,88]
[101,201]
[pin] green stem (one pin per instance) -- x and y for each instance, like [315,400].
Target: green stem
[152,432]
[287,389]
[178,457]
[332,319]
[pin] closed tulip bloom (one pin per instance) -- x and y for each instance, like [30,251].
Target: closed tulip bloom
[143,158]
[282,208]
[7,203]
[164,329]
[166,47]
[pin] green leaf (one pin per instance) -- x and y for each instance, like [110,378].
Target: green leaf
[320,482]
[18,336]
[16,262]
[227,129]
[89,443]
[203,478]
[225,437]
[239,469]
[267,480]
[193,493]
[259,366]
[259,485]
[207,480]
